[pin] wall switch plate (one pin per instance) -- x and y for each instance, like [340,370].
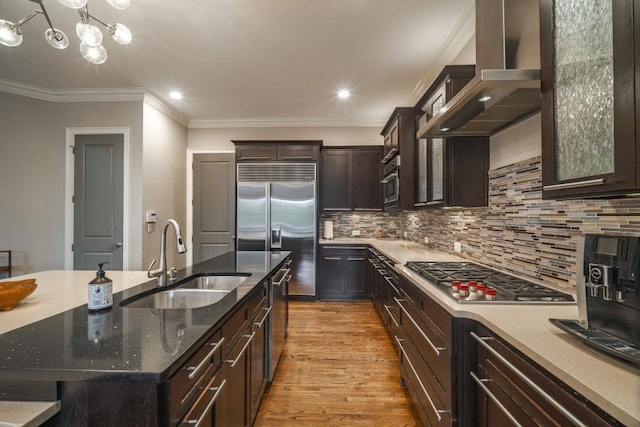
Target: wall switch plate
[404,233]
[457,246]
[426,240]
[355,233]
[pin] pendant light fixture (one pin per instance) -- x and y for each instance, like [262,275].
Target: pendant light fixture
[89,34]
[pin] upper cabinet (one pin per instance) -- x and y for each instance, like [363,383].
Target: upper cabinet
[350,178]
[449,171]
[400,139]
[289,151]
[590,140]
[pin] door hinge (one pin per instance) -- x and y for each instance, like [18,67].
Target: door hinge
[73,199]
[73,149]
[73,247]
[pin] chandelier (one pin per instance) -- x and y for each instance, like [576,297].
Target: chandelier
[90,35]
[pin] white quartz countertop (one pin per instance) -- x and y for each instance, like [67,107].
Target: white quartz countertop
[611,384]
[58,291]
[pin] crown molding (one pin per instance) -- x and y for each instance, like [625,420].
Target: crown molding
[72,95]
[165,109]
[461,34]
[282,122]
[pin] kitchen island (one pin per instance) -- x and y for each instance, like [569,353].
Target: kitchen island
[51,339]
[612,385]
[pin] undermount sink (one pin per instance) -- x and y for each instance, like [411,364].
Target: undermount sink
[179,298]
[198,291]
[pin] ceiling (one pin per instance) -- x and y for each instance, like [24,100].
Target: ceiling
[242,60]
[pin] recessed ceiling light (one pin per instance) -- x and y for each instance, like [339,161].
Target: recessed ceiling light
[344,93]
[484,98]
[175,94]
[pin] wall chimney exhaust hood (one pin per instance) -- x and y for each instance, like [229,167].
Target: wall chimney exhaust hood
[506,87]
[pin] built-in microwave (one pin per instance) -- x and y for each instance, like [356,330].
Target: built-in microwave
[391,183]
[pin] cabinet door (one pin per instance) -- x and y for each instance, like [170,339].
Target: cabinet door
[335,180]
[588,116]
[255,152]
[355,283]
[297,152]
[435,159]
[365,177]
[233,410]
[258,370]
[332,272]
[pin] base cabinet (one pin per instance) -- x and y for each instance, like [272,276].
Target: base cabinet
[343,273]
[511,390]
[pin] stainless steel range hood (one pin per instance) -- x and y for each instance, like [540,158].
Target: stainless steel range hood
[506,87]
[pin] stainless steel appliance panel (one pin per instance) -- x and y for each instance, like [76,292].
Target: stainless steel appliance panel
[293,228]
[252,217]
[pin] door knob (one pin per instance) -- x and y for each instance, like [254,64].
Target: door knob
[117,245]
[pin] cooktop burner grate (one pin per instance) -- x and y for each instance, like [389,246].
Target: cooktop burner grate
[508,288]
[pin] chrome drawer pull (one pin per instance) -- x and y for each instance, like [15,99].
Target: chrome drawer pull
[283,279]
[203,362]
[355,259]
[523,377]
[235,361]
[217,390]
[424,390]
[386,307]
[259,324]
[495,400]
[392,284]
[577,184]
[333,258]
[437,350]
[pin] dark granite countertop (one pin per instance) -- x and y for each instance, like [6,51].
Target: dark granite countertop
[126,344]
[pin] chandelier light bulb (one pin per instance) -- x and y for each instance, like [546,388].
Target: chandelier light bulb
[119,4]
[89,34]
[94,54]
[120,33]
[56,38]
[73,4]
[10,34]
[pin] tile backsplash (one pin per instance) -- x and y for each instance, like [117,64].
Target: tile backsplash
[518,232]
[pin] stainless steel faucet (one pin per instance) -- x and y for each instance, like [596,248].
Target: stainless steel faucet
[165,276]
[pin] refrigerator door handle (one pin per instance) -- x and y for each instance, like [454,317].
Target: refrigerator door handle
[276,237]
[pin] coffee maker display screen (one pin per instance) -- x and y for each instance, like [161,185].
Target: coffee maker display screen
[607,246]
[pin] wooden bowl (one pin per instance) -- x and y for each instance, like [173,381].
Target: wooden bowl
[11,293]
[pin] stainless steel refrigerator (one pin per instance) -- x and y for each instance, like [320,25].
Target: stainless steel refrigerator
[276,210]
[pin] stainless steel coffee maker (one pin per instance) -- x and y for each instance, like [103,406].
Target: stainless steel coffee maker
[608,296]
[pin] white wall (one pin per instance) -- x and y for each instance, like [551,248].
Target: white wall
[32,173]
[519,142]
[164,184]
[220,138]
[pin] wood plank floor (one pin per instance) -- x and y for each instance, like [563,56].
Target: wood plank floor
[338,368]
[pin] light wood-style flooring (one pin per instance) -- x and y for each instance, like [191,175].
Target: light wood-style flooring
[338,368]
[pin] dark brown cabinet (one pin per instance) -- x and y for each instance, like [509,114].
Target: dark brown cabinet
[450,171]
[258,350]
[400,138]
[590,111]
[290,151]
[511,390]
[350,178]
[343,273]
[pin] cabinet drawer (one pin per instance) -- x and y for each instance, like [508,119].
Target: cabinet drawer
[233,329]
[258,302]
[509,384]
[189,381]
[431,348]
[428,311]
[201,412]
[420,382]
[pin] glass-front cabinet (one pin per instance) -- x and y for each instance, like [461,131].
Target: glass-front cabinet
[589,143]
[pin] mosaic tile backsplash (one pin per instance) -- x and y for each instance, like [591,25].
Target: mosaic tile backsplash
[518,232]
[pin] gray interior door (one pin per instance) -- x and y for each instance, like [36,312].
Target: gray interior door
[214,186]
[98,192]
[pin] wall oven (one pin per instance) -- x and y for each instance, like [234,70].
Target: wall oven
[391,183]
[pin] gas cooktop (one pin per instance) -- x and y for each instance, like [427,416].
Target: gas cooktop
[467,282]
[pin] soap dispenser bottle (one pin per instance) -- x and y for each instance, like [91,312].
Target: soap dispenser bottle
[100,291]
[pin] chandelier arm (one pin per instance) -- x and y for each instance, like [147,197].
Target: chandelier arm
[26,19]
[98,20]
[46,15]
